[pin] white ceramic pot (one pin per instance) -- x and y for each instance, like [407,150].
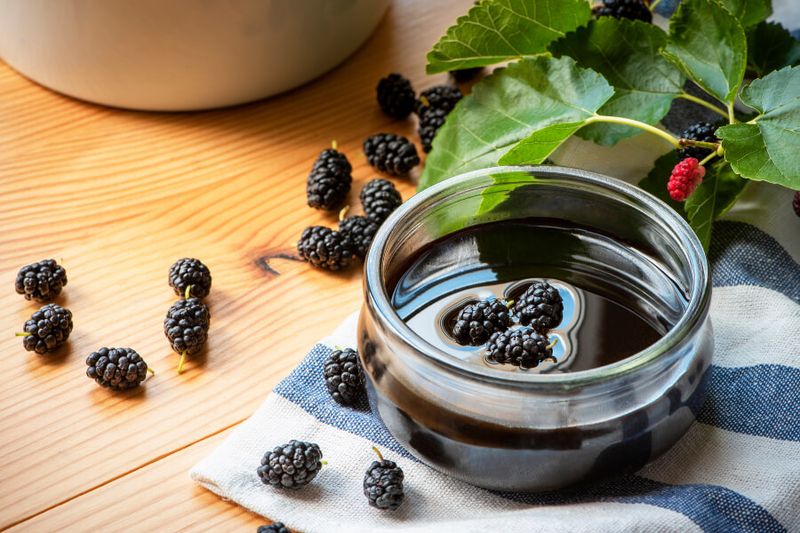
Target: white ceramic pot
[175,55]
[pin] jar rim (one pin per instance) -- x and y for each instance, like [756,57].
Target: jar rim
[694,315]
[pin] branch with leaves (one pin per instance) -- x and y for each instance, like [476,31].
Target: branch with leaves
[607,79]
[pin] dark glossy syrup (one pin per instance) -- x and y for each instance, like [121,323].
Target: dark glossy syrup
[601,324]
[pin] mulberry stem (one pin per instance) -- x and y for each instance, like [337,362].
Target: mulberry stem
[699,144]
[636,124]
[708,158]
[654,4]
[188,292]
[552,344]
[700,101]
[377,451]
[180,363]
[23,334]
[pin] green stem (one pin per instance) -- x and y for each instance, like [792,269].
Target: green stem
[654,4]
[188,292]
[23,334]
[635,124]
[180,363]
[708,158]
[731,117]
[708,105]
[699,144]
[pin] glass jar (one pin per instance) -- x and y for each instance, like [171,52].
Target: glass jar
[535,432]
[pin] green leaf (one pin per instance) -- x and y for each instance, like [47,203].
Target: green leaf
[656,181]
[499,30]
[508,106]
[767,147]
[770,47]
[749,12]
[627,54]
[718,192]
[709,45]
[535,148]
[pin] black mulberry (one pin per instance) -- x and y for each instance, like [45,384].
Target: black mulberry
[444,97]
[186,327]
[390,153]
[396,96]
[429,123]
[329,180]
[276,527]
[325,248]
[116,368]
[380,198]
[41,281]
[188,272]
[291,466]
[360,230]
[521,347]
[540,306]
[343,376]
[624,9]
[47,329]
[701,131]
[476,322]
[383,484]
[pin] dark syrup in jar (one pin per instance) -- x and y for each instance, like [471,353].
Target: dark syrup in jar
[617,301]
[600,324]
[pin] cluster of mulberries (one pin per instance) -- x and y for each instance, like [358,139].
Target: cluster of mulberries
[297,463]
[539,309]
[431,108]
[187,321]
[329,181]
[48,328]
[336,250]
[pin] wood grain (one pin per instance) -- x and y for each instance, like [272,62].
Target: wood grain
[132,499]
[118,196]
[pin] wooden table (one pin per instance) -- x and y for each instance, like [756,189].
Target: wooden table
[117,196]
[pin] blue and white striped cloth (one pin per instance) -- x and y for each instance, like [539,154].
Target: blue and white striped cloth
[737,468]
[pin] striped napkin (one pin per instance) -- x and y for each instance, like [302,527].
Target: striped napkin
[737,468]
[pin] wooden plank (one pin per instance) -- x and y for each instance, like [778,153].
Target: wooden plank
[119,196]
[158,497]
